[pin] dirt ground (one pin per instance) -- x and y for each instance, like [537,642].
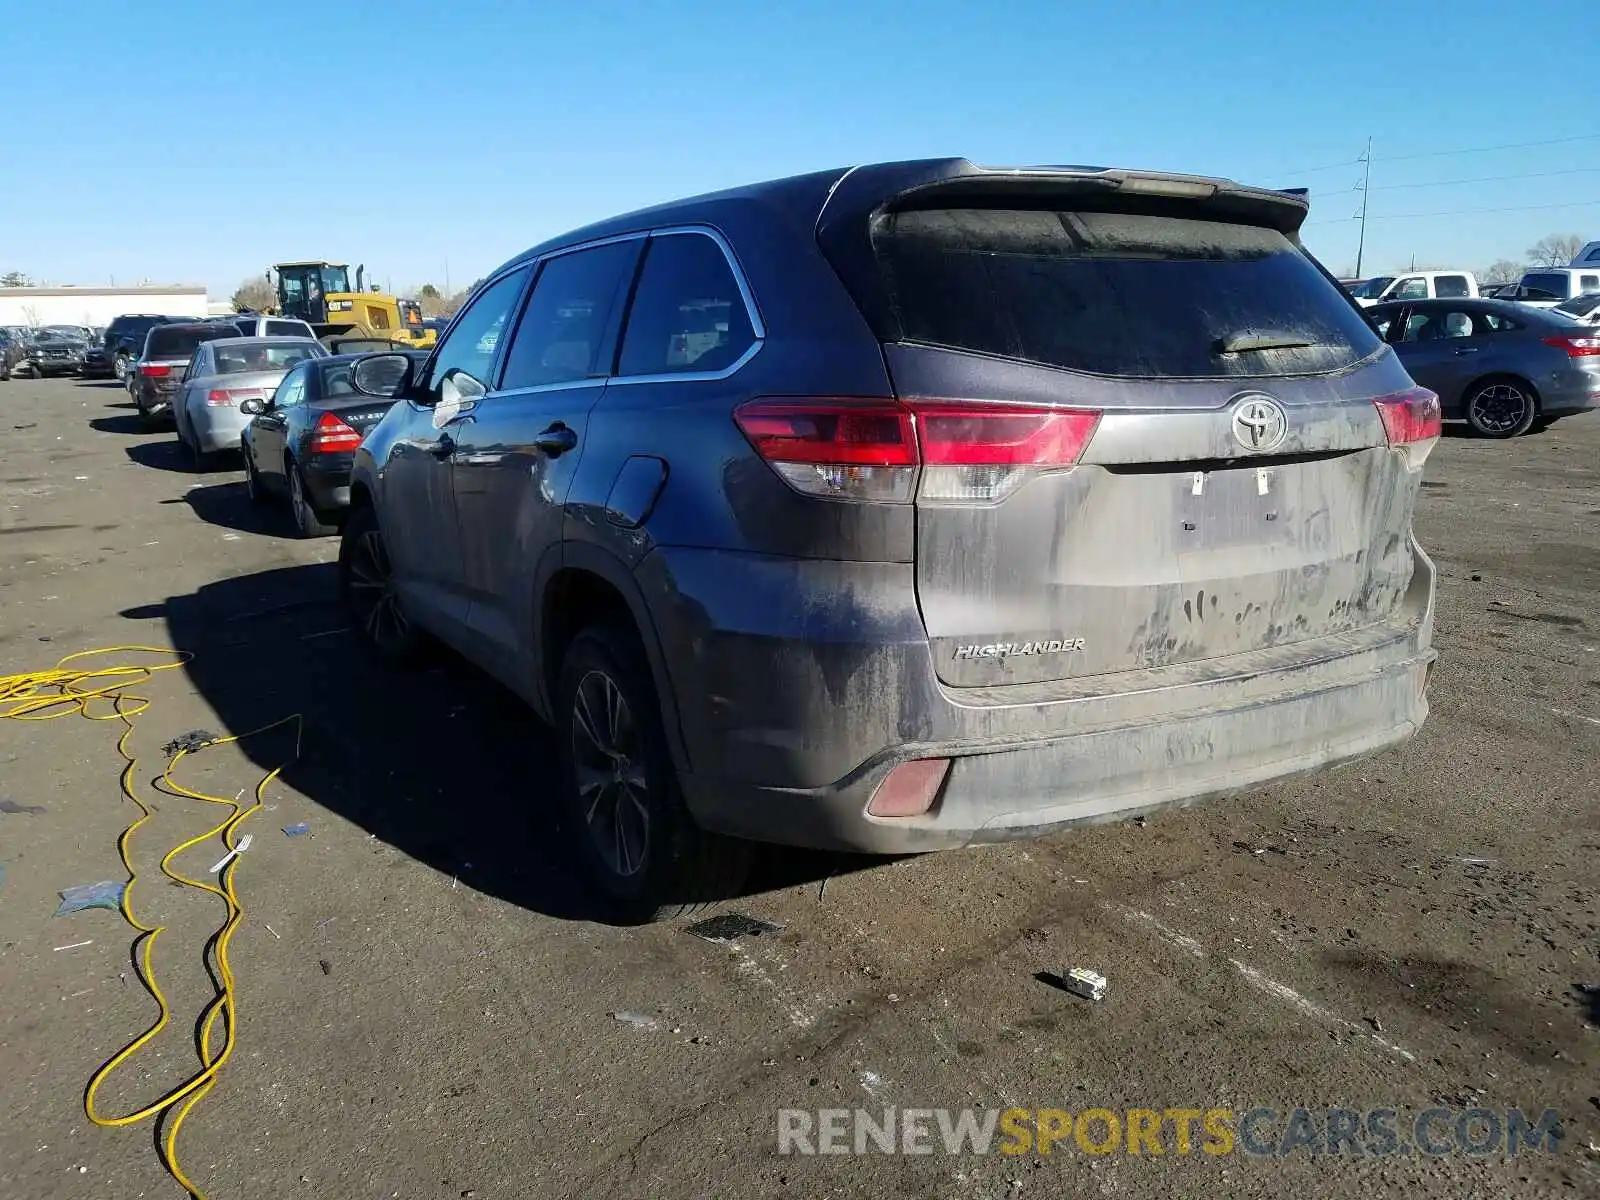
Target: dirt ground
[425,1004]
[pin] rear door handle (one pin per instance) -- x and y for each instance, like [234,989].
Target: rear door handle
[1465,350]
[558,439]
[444,447]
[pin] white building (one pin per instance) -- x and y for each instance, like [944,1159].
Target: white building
[96,305]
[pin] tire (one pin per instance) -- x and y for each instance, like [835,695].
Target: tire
[1500,407]
[119,368]
[367,590]
[253,489]
[306,518]
[644,855]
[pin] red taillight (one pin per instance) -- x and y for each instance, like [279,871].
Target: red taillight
[1576,347]
[910,789]
[330,435]
[1411,420]
[226,398]
[154,370]
[872,449]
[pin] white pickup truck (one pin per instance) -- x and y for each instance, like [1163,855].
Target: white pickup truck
[1418,285]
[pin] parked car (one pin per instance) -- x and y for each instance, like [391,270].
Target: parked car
[1588,256]
[1500,366]
[11,349]
[301,439]
[220,376]
[1420,285]
[1585,308]
[49,353]
[708,485]
[124,339]
[256,325]
[159,371]
[1498,291]
[1546,287]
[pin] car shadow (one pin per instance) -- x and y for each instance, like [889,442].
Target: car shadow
[99,383]
[127,423]
[437,761]
[228,505]
[168,454]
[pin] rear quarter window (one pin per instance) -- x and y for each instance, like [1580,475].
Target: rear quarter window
[1451,287]
[1117,294]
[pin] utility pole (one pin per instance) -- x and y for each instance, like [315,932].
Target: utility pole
[1361,243]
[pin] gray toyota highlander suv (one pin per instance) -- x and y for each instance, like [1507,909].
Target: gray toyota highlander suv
[908,507]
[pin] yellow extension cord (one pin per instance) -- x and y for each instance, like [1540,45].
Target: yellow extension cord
[65,690]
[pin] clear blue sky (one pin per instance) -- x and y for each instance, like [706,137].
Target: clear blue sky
[187,141]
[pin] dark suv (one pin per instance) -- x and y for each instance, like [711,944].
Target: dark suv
[158,372]
[909,507]
[124,340]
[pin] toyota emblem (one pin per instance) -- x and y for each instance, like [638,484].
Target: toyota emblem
[1259,424]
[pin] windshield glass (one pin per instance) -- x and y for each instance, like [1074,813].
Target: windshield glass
[258,356]
[1580,306]
[1372,288]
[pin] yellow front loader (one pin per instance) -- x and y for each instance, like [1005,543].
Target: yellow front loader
[320,294]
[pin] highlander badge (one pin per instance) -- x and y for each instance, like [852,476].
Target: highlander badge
[1006,649]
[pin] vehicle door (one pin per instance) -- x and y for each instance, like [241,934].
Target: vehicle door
[416,503]
[518,447]
[269,432]
[1440,349]
[197,368]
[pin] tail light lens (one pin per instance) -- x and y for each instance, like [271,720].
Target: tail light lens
[1412,422]
[892,451]
[154,370]
[226,398]
[330,435]
[1576,347]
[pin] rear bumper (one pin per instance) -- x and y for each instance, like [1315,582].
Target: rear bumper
[1570,391]
[217,429]
[769,727]
[327,479]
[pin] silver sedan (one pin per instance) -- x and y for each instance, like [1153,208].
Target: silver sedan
[221,376]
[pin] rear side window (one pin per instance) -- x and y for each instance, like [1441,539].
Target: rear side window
[1588,283]
[564,324]
[1115,293]
[688,314]
[1450,287]
[285,329]
[179,341]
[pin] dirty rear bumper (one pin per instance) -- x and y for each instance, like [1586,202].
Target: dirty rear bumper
[1023,766]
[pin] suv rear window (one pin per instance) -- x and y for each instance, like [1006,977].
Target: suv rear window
[1114,293]
[1450,287]
[285,328]
[1552,283]
[179,341]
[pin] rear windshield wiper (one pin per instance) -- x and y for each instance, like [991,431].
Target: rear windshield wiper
[1246,341]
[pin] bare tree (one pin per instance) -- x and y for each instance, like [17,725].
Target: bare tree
[1556,249]
[1501,271]
[15,279]
[254,294]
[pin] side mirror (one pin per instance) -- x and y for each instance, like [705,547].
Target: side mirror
[383,375]
[252,407]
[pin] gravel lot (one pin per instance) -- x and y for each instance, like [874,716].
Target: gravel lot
[430,1012]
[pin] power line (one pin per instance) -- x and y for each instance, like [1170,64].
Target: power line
[1355,162]
[1458,212]
[1384,187]
[1582,137]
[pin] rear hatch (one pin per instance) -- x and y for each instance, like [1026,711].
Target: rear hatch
[1152,431]
[168,349]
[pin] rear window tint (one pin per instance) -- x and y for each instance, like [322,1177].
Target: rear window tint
[285,328]
[688,314]
[1114,293]
[1553,284]
[179,341]
[1451,287]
